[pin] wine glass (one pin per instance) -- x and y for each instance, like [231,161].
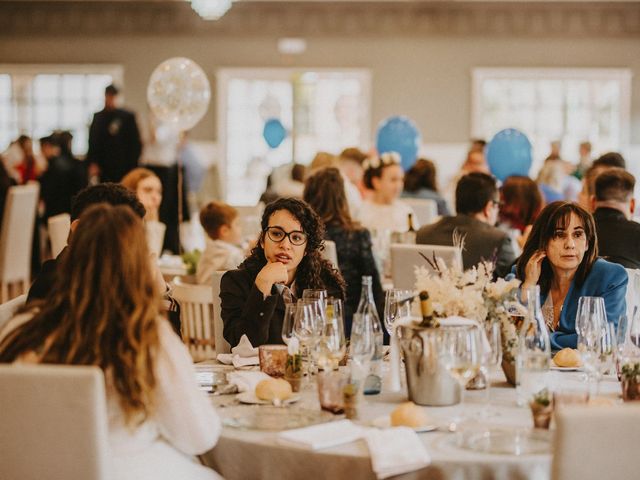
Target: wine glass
[362,346]
[315,294]
[397,304]
[461,356]
[490,359]
[307,328]
[288,321]
[332,346]
[607,352]
[590,321]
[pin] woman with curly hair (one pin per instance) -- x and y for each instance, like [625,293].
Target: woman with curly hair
[286,260]
[104,310]
[325,192]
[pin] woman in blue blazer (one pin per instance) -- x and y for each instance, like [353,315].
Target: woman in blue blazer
[561,255]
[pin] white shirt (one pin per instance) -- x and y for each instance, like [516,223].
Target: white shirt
[217,255]
[394,217]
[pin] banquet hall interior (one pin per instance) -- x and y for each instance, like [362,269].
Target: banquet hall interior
[290,239]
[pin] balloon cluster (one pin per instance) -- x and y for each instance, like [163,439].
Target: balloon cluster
[179,93]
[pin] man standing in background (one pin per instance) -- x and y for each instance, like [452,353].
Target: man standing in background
[114,140]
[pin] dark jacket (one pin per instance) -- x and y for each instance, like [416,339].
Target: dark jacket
[245,310]
[618,238]
[64,177]
[114,143]
[481,241]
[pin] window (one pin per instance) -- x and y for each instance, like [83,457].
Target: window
[35,100]
[572,106]
[321,110]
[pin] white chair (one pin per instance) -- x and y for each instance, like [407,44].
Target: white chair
[59,226]
[330,252]
[250,217]
[222,346]
[155,236]
[593,443]
[16,239]
[196,317]
[404,259]
[54,423]
[425,209]
[8,309]
[633,291]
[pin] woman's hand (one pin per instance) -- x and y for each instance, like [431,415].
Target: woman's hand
[533,269]
[271,274]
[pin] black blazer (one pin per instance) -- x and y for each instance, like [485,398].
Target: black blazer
[482,241]
[245,310]
[618,238]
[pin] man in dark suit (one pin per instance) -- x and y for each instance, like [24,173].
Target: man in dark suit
[477,204]
[613,207]
[114,140]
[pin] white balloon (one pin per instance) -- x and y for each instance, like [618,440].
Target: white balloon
[179,93]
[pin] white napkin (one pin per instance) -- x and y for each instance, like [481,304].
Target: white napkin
[321,436]
[396,450]
[241,355]
[246,381]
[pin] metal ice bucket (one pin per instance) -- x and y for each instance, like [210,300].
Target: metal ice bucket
[428,381]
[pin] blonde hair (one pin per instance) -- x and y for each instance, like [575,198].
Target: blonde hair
[103,309]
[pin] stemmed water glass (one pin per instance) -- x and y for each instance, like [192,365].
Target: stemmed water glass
[490,359]
[461,355]
[590,323]
[332,345]
[307,328]
[397,304]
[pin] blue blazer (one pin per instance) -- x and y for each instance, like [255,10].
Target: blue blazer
[607,280]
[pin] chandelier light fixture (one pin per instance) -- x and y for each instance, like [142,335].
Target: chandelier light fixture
[211,9]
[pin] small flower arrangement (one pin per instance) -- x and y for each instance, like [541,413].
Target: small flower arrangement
[471,294]
[630,381]
[388,158]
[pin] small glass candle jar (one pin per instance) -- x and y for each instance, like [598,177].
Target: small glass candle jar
[273,359]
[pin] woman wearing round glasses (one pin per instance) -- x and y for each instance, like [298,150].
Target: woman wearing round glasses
[286,260]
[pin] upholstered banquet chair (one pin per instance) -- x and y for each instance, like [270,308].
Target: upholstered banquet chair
[59,226]
[197,318]
[633,290]
[425,209]
[404,259]
[594,443]
[16,238]
[8,309]
[53,423]
[222,346]
[330,252]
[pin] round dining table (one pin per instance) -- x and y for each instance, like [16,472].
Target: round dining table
[244,453]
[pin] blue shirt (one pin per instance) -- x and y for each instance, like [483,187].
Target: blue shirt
[606,280]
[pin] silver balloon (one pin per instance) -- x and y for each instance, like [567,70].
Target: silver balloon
[179,93]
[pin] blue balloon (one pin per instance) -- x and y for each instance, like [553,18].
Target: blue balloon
[509,153]
[274,132]
[399,134]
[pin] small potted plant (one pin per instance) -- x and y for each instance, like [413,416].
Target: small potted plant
[630,380]
[541,409]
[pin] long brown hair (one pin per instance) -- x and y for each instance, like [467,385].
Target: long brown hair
[421,175]
[102,310]
[553,216]
[521,201]
[324,192]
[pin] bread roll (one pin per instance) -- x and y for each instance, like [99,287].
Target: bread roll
[408,414]
[273,388]
[567,357]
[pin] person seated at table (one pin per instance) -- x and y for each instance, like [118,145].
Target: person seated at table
[420,182]
[286,260]
[325,192]
[477,204]
[520,204]
[561,255]
[384,211]
[104,310]
[112,194]
[224,232]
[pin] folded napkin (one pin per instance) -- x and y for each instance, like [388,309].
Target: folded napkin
[246,381]
[321,436]
[395,451]
[241,355]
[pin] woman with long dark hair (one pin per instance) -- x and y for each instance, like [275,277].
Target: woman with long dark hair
[561,255]
[286,260]
[325,192]
[104,310]
[420,182]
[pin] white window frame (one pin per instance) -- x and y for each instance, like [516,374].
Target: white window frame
[225,75]
[622,75]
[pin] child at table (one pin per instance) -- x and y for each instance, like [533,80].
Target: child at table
[224,232]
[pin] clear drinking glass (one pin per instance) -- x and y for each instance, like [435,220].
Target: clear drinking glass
[288,321]
[362,346]
[490,359]
[332,346]
[590,323]
[305,328]
[397,304]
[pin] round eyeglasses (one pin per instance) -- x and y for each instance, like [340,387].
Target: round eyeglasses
[277,235]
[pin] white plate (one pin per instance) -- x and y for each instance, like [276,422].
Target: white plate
[565,369]
[385,422]
[250,398]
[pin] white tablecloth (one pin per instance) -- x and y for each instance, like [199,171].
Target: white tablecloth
[250,454]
